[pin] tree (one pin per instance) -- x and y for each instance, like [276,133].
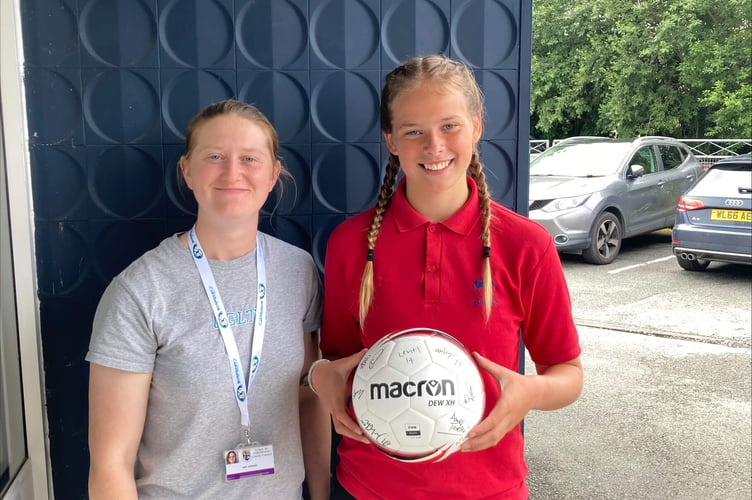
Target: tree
[631,67]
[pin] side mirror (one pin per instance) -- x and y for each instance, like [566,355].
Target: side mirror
[635,171]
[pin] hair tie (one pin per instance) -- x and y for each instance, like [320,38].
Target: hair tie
[369,257]
[486,252]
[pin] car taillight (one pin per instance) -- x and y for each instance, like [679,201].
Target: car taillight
[687,204]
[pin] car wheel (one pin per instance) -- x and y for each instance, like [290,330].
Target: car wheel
[692,265]
[605,240]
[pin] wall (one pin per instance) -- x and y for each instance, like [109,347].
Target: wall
[111,85]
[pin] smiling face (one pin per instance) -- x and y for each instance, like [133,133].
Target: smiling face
[230,168]
[434,134]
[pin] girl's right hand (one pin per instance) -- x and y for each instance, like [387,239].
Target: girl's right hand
[330,380]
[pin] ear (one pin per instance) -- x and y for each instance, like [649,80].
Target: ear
[275,174]
[477,127]
[185,172]
[390,144]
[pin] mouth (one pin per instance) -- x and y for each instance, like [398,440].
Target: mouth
[436,166]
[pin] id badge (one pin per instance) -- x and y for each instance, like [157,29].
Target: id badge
[249,460]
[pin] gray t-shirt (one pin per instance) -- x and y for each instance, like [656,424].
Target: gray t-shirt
[155,318]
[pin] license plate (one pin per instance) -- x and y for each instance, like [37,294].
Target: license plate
[732,215]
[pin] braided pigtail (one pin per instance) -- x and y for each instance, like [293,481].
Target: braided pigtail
[484,200]
[385,196]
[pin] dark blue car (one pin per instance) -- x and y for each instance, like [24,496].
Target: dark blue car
[714,216]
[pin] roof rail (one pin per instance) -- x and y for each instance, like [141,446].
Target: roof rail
[581,137]
[656,137]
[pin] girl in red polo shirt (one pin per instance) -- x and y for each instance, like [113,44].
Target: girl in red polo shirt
[437,252]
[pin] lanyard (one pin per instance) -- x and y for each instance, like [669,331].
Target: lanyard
[212,293]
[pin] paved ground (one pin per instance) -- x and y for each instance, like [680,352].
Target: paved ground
[659,418]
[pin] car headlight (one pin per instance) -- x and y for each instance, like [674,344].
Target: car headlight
[565,203]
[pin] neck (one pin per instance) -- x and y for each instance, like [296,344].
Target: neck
[437,206]
[226,243]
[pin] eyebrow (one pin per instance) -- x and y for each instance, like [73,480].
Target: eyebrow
[254,150]
[414,124]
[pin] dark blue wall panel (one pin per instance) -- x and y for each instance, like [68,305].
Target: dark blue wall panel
[111,86]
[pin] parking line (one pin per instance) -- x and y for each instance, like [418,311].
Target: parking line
[654,261]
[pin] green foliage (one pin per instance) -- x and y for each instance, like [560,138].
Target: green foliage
[636,67]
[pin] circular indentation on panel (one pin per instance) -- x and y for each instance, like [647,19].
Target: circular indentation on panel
[271,34]
[499,169]
[62,263]
[320,239]
[125,182]
[118,32]
[344,106]
[56,114]
[54,35]
[118,244]
[414,28]
[196,33]
[344,33]
[484,33]
[282,99]
[345,179]
[286,229]
[59,183]
[120,106]
[500,102]
[293,190]
[67,326]
[186,94]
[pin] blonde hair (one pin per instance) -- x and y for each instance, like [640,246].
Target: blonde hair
[243,110]
[456,76]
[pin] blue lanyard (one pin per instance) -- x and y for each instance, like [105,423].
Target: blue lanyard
[240,387]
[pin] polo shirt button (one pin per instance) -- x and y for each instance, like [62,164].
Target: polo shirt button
[432,228]
[432,268]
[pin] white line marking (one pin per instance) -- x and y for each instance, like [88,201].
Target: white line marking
[654,261]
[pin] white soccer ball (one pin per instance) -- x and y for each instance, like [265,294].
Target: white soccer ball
[416,394]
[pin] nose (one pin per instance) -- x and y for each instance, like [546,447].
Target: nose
[233,167]
[433,143]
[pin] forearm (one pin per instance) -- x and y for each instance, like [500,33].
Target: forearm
[111,483]
[558,385]
[315,430]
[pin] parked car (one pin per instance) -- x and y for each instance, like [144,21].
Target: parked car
[714,217]
[592,192]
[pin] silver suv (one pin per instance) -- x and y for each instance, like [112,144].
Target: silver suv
[592,192]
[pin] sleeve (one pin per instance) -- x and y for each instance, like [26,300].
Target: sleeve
[122,336]
[312,319]
[548,329]
[340,331]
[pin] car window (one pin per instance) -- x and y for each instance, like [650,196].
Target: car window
[724,182]
[645,157]
[580,160]
[671,156]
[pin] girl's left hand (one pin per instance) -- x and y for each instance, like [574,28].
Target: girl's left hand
[519,394]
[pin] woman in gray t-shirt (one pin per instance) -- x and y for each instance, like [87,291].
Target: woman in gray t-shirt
[200,345]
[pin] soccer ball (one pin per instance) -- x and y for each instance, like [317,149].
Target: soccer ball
[416,394]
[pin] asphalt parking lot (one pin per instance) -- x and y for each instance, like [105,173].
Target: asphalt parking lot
[665,410]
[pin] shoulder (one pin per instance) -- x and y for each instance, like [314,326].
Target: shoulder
[161,260]
[282,252]
[517,237]
[352,230]
[508,222]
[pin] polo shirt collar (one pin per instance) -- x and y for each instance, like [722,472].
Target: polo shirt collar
[406,218]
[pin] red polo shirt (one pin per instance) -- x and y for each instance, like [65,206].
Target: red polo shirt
[430,275]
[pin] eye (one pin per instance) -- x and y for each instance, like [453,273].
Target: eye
[249,159]
[450,126]
[214,156]
[412,133]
